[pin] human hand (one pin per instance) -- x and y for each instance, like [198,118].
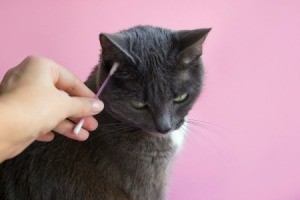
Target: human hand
[40,96]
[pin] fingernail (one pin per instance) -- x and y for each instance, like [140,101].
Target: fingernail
[97,106]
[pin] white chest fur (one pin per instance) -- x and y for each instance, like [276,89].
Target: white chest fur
[178,136]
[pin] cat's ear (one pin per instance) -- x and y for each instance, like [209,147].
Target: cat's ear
[189,43]
[114,47]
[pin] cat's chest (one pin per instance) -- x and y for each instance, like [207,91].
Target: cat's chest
[137,164]
[178,136]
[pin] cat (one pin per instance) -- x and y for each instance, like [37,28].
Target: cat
[140,130]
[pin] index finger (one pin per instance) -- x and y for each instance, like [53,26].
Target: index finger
[68,82]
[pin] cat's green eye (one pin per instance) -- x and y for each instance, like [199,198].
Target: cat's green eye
[137,104]
[181,98]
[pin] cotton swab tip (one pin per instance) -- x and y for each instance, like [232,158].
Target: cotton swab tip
[111,72]
[78,126]
[114,68]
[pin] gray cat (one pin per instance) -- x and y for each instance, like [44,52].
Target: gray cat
[140,130]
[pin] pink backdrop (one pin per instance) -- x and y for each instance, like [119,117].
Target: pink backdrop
[251,150]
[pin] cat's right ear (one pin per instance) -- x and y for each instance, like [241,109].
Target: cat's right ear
[189,43]
[114,47]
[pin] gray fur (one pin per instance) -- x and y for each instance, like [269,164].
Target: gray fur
[120,160]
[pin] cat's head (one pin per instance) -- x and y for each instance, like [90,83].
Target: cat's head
[158,79]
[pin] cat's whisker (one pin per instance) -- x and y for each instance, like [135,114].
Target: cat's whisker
[114,125]
[211,124]
[188,136]
[212,130]
[203,126]
[191,137]
[117,130]
[209,142]
[207,127]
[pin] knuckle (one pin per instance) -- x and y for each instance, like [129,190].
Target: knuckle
[9,71]
[73,86]
[8,74]
[44,131]
[84,110]
[85,107]
[80,107]
[66,128]
[30,57]
[33,59]
[63,128]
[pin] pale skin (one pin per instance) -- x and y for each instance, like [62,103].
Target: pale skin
[39,96]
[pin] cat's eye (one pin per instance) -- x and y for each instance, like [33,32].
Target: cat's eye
[137,104]
[180,98]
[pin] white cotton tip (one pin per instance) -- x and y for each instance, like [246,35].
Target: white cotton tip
[78,126]
[114,68]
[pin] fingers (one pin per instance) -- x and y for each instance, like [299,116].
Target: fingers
[46,138]
[80,107]
[67,81]
[8,80]
[7,74]
[90,123]
[62,78]
[66,128]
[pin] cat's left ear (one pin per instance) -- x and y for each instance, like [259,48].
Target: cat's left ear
[190,42]
[114,47]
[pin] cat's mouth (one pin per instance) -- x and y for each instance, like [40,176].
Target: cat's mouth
[163,134]
[157,134]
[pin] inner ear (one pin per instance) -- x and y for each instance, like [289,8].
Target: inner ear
[189,43]
[114,47]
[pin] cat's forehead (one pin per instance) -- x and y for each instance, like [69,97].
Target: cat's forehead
[148,36]
[150,45]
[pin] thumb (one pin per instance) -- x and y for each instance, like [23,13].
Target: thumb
[82,106]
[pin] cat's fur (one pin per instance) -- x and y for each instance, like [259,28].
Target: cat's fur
[129,155]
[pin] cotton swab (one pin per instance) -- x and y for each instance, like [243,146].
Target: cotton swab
[111,72]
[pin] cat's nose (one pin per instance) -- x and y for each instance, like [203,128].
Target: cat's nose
[164,130]
[163,126]
[163,120]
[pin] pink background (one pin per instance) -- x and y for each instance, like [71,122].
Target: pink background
[251,95]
